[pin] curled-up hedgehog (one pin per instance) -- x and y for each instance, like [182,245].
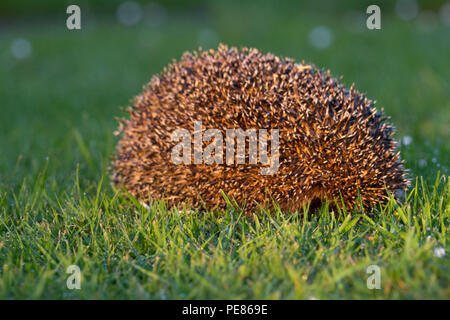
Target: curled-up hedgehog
[309,138]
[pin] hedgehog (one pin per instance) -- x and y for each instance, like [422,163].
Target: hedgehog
[330,143]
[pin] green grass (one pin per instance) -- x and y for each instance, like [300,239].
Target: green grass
[57,207]
[127,251]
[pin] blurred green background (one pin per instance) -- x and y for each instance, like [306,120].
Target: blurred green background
[61,89]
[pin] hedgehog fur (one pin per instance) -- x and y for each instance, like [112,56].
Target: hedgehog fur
[333,143]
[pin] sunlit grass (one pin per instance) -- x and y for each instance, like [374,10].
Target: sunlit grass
[127,250]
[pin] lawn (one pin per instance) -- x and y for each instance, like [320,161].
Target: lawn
[57,208]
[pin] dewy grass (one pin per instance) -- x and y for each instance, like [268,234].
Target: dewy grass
[125,250]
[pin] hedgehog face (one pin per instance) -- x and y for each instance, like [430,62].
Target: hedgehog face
[331,142]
